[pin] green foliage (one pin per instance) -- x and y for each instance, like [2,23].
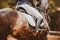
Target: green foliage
[52,7]
[7,3]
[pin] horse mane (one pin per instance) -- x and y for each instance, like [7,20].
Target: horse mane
[8,17]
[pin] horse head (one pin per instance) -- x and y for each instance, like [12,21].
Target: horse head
[14,23]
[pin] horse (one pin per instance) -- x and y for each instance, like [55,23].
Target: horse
[4,24]
[14,26]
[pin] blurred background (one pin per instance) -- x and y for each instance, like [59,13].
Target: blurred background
[54,13]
